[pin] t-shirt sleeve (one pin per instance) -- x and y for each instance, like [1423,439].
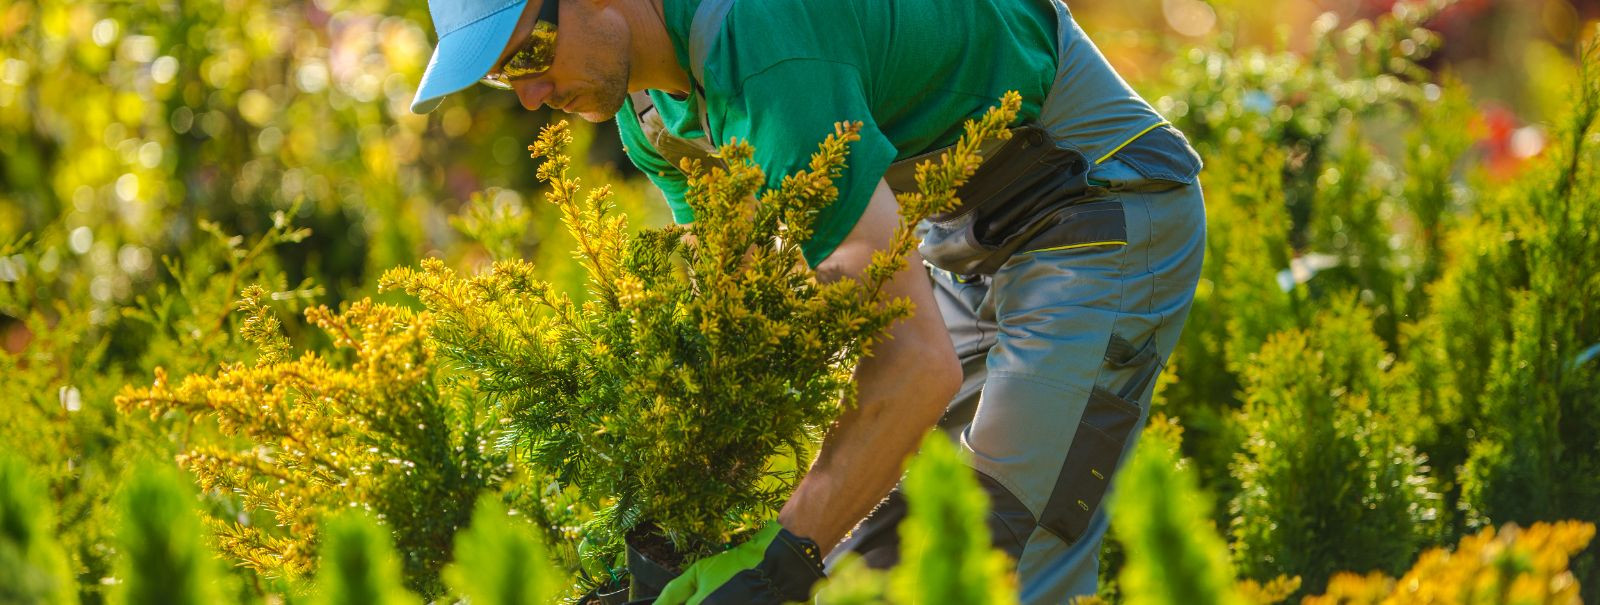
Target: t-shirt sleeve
[671,181]
[785,111]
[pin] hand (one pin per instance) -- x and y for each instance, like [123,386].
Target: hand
[772,567]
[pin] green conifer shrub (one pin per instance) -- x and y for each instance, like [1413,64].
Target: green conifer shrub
[1168,545]
[1431,191]
[946,556]
[1351,225]
[1298,104]
[128,119]
[1239,302]
[499,560]
[33,567]
[80,351]
[688,391]
[1537,398]
[1327,481]
[1438,424]
[1174,555]
[1290,180]
[164,559]
[358,566]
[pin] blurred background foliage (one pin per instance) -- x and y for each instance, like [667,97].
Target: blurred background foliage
[1401,197]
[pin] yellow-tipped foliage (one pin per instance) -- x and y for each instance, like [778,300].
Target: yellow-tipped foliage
[373,424]
[1515,565]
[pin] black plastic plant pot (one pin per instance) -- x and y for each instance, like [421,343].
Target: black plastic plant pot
[651,563]
[607,595]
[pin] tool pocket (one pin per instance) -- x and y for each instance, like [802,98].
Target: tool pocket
[1109,420]
[1082,226]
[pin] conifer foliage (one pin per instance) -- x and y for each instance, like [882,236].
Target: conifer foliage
[499,560]
[1539,457]
[359,566]
[386,431]
[946,552]
[1174,554]
[33,568]
[164,556]
[1326,480]
[685,392]
[1513,565]
[946,556]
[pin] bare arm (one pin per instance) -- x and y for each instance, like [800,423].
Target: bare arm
[902,389]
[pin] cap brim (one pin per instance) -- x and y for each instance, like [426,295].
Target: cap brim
[464,56]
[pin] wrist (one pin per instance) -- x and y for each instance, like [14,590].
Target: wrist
[793,565]
[805,549]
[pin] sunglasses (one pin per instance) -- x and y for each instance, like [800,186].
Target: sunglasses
[534,56]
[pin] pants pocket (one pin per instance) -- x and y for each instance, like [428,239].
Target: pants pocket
[1096,450]
[1109,419]
[1091,224]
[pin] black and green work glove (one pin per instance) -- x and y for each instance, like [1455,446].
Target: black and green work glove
[771,568]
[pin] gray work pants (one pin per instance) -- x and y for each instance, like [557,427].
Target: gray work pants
[1060,349]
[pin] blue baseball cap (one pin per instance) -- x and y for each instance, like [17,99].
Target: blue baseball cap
[472,33]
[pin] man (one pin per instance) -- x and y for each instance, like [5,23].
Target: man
[1061,284]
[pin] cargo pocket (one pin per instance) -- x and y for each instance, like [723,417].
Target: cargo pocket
[1082,226]
[1109,419]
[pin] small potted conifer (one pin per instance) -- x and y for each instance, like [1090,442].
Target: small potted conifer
[674,409]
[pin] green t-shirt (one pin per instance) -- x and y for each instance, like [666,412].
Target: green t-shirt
[780,73]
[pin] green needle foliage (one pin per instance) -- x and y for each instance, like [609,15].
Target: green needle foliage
[1538,452]
[1297,103]
[1297,179]
[1238,303]
[687,391]
[1163,519]
[359,566]
[500,561]
[164,558]
[1326,481]
[946,555]
[33,568]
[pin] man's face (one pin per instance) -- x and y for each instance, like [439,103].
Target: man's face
[589,76]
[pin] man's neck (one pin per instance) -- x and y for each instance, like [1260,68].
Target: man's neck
[655,62]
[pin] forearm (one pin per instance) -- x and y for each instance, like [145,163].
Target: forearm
[902,389]
[865,452]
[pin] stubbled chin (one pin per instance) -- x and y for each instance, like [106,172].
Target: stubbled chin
[602,110]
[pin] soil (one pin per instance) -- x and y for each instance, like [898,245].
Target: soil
[648,541]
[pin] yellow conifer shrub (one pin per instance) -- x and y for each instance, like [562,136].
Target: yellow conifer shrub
[683,396]
[374,424]
[1522,566]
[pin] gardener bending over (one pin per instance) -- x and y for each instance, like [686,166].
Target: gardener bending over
[1061,284]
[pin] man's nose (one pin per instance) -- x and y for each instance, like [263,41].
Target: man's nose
[533,92]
